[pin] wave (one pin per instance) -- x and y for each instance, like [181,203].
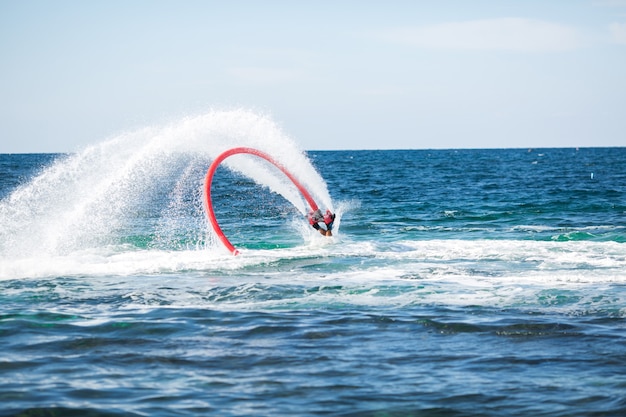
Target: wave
[575,278]
[600,233]
[343,259]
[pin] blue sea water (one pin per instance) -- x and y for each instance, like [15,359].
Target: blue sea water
[457,282]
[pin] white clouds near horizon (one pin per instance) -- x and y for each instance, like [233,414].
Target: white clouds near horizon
[618,32]
[502,34]
[335,75]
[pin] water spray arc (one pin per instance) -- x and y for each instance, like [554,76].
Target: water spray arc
[209,180]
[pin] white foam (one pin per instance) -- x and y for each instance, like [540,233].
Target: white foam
[570,277]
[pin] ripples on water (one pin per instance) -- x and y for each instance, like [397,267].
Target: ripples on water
[459,283]
[167,345]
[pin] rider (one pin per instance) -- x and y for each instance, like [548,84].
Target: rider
[316,217]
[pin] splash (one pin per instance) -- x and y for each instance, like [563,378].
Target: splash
[140,181]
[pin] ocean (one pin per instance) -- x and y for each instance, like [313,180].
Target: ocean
[468,282]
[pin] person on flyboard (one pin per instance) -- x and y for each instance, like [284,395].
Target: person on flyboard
[316,217]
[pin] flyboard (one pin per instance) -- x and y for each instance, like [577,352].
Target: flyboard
[209,179]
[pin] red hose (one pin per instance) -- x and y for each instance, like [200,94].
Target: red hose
[209,179]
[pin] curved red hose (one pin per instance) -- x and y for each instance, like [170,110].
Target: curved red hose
[209,179]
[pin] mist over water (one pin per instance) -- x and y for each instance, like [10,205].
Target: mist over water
[147,180]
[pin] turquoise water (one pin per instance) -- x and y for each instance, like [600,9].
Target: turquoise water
[458,282]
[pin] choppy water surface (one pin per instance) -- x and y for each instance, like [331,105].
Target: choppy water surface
[458,282]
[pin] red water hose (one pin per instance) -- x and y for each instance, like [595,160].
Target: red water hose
[209,179]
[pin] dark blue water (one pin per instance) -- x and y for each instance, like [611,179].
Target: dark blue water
[458,283]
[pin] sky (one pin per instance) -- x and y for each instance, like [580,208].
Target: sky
[332,74]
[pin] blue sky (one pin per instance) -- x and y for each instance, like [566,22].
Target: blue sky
[333,74]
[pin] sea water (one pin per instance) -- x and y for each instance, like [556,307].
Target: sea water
[457,282]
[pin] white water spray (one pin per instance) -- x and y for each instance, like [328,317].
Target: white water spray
[81,200]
